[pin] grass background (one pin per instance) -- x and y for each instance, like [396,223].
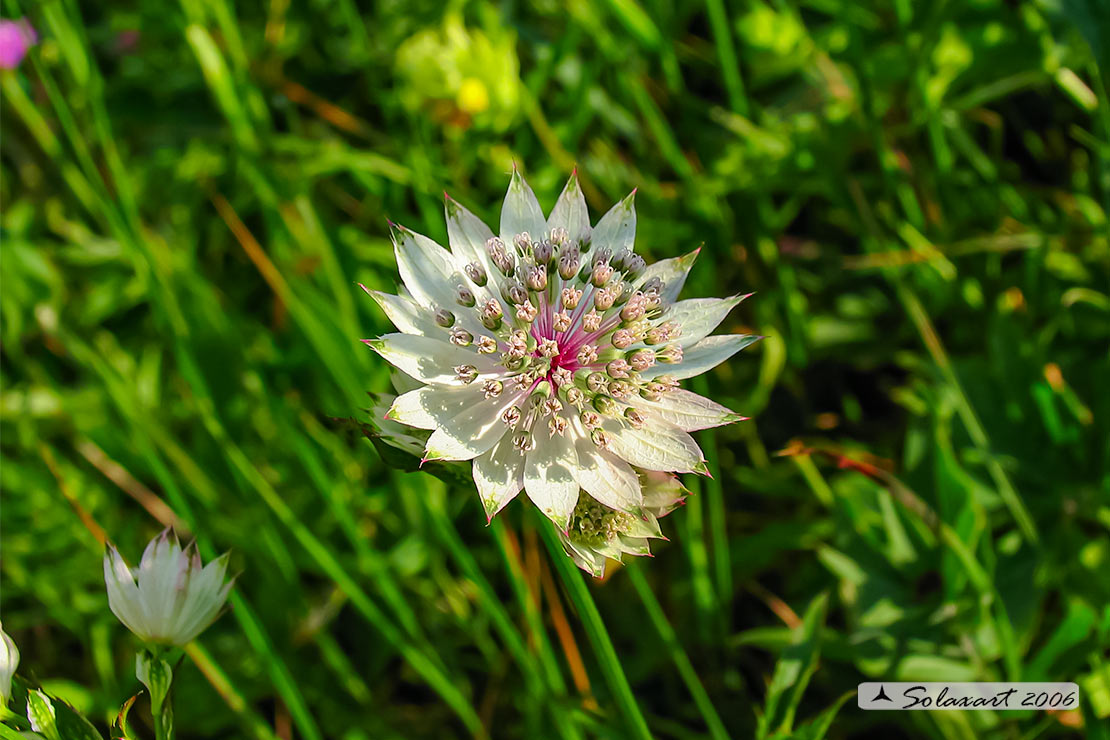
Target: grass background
[917,192]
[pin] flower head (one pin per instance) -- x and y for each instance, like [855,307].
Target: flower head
[598,532]
[575,386]
[9,661]
[170,598]
[16,37]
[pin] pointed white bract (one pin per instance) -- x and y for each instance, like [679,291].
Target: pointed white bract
[551,354]
[9,661]
[171,597]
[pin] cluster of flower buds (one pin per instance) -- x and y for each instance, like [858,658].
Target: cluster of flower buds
[599,533]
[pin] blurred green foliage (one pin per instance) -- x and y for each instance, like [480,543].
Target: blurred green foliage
[918,192]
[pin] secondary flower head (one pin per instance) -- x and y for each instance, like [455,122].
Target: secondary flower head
[598,533]
[170,598]
[16,37]
[551,354]
[9,661]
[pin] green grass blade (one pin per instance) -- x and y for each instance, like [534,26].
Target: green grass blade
[678,654]
[604,653]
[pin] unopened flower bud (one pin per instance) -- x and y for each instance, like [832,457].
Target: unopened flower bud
[542,252]
[510,416]
[634,308]
[514,292]
[461,337]
[667,381]
[671,354]
[601,274]
[138,596]
[476,274]
[494,245]
[642,359]
[526,312]
[604,405]
[624,291]
[491,309]
[604,298]
[445,318]
[9,661]
[623,338]
[518,342]
[617,369]
[635,418]
[568,266]
[537,278]
[500,256]
[657,335]
[570,298]
[620,258]
[621,389]
[466,373]
[562,376]
[652,285]
[634,266]
[524,441]
[464,296]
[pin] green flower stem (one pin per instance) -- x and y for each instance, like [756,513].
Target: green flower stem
[157,675]
[678,654]
[605,654]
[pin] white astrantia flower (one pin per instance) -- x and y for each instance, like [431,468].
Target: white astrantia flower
[170,598]
[9,661]
[551,353]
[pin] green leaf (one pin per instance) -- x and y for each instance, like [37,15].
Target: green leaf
[157,675]
[1072,630]
[72,725]
[120,724]
[793,671]
[154,673]
[816,728]
[40,711]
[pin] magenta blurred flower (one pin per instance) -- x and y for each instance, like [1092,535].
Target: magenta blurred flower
[127,41]
[16,37]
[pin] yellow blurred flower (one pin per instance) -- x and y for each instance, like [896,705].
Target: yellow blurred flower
[461,77]
[473,96]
